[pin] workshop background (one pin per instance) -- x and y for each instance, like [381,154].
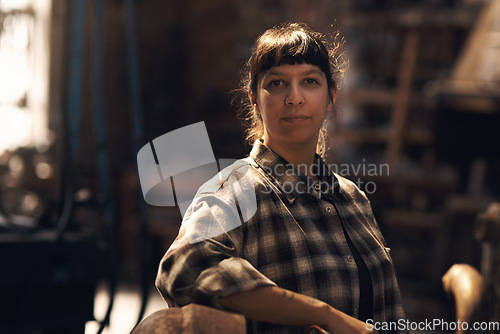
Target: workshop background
[85,84]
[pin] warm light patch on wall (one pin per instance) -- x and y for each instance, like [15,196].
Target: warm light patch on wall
[24,73]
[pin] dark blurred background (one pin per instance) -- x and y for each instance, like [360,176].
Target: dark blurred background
[85,84]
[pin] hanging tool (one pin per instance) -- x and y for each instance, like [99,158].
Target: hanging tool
[103,168]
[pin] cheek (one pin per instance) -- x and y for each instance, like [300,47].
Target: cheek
[269,104]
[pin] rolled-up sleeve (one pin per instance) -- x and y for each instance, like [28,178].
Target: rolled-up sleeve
[205,261]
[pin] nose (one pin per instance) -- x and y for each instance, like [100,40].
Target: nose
[294,95]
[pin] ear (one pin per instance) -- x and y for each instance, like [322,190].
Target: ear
[333,99]
[253,101]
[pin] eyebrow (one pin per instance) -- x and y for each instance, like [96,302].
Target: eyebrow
[272,72]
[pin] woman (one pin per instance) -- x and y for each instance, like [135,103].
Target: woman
[311,251]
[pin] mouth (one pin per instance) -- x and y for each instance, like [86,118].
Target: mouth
[296,119]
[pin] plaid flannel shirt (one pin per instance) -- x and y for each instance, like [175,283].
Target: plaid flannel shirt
[294,240]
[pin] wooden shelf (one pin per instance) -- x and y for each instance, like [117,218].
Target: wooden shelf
[412,136]
[411,218]
[366,96]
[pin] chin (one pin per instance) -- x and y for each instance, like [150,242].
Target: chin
[300,140]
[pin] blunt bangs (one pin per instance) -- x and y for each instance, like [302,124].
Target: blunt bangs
[293,48]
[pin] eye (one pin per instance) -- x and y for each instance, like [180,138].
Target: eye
[275,83]
[311,81]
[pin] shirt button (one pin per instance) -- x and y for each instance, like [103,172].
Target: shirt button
[355,311]
[350,258]
[328,209]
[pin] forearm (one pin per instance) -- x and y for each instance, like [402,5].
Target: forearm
[276,305]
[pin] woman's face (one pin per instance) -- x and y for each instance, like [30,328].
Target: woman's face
[293,101]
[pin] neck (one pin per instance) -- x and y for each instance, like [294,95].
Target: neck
[301,156]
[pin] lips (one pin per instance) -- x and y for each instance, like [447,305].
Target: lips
[296,119]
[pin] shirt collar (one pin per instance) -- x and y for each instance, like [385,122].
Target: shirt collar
[289,181]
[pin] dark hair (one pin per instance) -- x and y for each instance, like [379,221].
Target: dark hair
[288,44]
